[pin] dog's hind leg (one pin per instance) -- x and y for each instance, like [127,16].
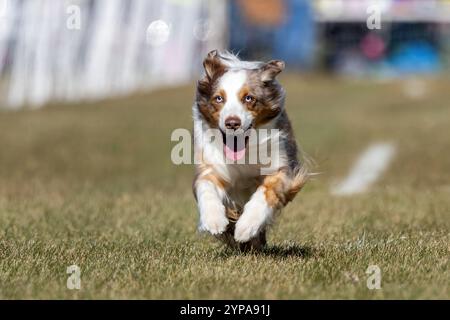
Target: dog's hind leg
[257,243]
[227,237]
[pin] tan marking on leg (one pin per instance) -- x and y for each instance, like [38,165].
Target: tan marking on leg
[233,214]
[281,188]
[206,172]
[275,189]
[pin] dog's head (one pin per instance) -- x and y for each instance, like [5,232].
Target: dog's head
[237,95]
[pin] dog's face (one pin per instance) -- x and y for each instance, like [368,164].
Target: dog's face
[234,99]
[235,96]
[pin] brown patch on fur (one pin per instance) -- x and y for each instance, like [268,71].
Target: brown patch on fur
[207,89]
[233,214]
[275,189]
[243,92]
[211,110]
[216,180]
[211,114]
[282,187]
[269,98]
[223,94]
[213,66]
[206,172]
[263,115]
[271,69]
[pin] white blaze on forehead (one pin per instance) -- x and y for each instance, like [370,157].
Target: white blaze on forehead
[232,83]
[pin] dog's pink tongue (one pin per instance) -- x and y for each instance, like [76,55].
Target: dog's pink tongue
[233,155]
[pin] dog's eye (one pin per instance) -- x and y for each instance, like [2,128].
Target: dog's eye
[219,99]
[248,98]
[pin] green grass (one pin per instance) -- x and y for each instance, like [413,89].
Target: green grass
[93,185]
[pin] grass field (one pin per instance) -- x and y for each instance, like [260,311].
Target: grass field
[93,185]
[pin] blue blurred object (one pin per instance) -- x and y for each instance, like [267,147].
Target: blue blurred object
[415,57]
[292,41]
[295,39]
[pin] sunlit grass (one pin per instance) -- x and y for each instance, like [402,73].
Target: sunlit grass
[93,185]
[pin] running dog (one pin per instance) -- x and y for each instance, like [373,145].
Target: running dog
[235,102]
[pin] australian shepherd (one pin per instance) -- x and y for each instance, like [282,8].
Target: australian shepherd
[238,113]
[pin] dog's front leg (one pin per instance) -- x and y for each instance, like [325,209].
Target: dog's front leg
[272,195]
[256,215]
[210,204]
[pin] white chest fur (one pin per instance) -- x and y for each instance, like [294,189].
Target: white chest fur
[242,179]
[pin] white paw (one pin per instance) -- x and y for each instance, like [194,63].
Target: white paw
[246,230]
[256,215]
[213,219]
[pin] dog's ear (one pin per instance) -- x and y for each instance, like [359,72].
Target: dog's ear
[213,65]
[271,69]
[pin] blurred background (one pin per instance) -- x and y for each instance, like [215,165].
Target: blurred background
[88,49]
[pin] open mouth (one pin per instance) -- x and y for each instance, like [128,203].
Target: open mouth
[235,144]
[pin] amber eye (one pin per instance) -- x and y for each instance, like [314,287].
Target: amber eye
[249,98]
[219,99]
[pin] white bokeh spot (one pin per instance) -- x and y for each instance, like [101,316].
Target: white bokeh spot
[203,30]
[158,33]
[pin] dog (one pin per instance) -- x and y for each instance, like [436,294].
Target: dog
[237,201]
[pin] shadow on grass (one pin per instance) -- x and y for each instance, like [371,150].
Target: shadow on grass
[292,250]
[274,251]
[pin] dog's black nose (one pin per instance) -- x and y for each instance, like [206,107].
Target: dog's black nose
[233,123]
